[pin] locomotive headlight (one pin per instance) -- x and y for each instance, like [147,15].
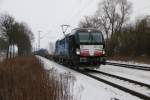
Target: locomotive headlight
[78,51]
[103,52]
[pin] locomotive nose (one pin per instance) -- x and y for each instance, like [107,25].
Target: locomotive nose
[91,50]
[84,53]
[98,53]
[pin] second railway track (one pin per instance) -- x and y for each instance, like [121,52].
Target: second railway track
[135,92]
[129,66]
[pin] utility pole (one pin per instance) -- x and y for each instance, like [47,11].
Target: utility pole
[39,37]
[64,28]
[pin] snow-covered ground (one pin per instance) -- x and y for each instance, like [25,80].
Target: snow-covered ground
[132,86]
[88,88]
[134,74]
[130,62]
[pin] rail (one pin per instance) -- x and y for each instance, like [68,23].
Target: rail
[127,90]
[129,66]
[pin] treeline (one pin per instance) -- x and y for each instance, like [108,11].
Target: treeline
[14,34]
[123,38]
[133,40]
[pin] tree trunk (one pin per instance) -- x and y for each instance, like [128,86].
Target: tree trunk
[7,54]
[112,30]
[13,51]
[10,51]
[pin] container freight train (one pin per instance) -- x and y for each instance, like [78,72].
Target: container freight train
[82,47]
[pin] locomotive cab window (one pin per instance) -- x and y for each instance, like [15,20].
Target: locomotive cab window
[90,37]
[84,37]
[96,37]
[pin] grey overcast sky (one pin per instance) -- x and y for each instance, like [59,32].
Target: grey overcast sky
[48,15]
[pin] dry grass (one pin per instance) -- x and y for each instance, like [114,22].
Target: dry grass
[23,78]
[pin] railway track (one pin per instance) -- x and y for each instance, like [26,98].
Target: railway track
[129,66]
[93,74]
[97,75]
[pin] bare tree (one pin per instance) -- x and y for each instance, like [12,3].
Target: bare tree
[114,13]
[105,26]
[90,22]
[3,44]
[16,34]
[24,38]
[6,25]
[110,17]
[86,22]
[125,8]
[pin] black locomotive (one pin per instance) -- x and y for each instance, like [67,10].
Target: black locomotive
[83,46]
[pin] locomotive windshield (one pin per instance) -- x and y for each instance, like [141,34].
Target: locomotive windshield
[90,37]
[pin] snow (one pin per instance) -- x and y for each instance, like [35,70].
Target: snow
[134,74]
[87,88]
[132,86]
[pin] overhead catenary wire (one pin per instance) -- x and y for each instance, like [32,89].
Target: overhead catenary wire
[40,37]
[44,35]
[88,4]
[80,10]
[72,9]
[68,20]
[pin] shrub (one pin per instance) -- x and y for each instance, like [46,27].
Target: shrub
[23,78]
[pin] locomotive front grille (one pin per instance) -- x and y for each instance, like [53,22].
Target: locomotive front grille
[92,59]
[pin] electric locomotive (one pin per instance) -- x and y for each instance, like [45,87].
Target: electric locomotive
[84,47]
